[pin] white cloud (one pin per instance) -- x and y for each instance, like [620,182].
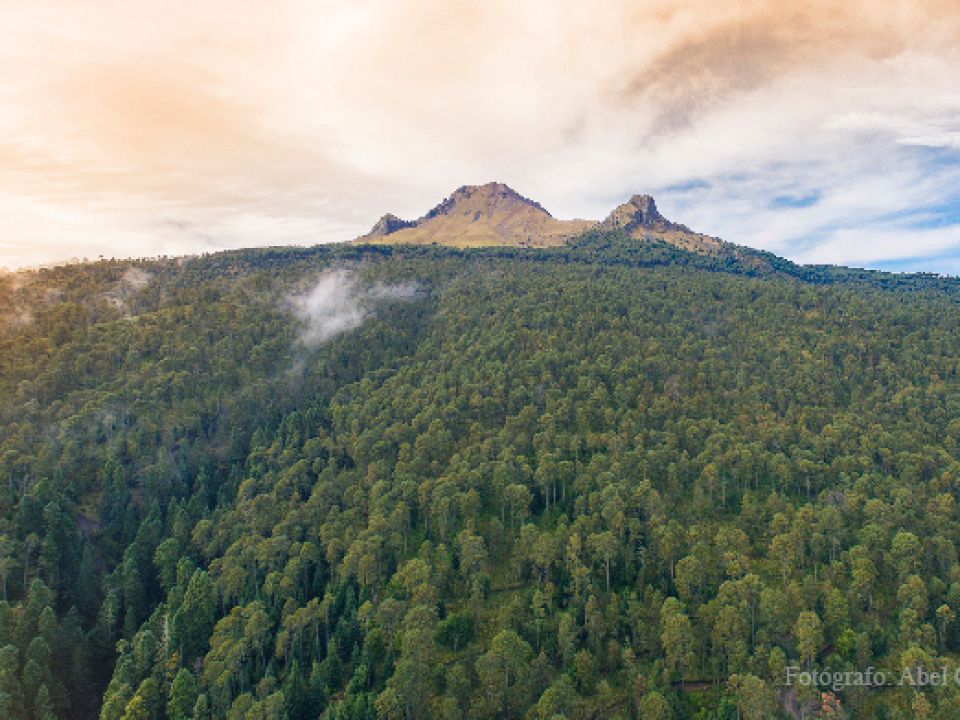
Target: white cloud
[878,244]
[147,128]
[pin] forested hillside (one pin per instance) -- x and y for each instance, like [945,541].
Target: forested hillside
[608,480]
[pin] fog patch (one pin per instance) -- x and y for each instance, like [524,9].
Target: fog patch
[15,311]
[400,291]
[130,283]
[135,277]
[18,317]
[338,302]
[14,281]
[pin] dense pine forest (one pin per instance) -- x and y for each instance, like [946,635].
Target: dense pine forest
[607,480]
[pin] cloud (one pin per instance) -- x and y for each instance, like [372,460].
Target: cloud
[338,303]
[148,128]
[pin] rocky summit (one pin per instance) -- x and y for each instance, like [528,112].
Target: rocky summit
[639,214]
[479,215]
[496,215]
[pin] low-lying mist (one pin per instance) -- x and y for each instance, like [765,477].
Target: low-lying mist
[338,302]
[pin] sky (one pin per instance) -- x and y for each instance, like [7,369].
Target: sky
[825,132]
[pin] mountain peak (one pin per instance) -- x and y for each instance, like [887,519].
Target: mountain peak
[646,205]
[487,199]
[638,213]
[477,215]
[640,219]
[387,224]
[490,189]
[495,214]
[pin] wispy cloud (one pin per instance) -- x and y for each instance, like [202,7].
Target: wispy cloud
[147,128]
[337,302]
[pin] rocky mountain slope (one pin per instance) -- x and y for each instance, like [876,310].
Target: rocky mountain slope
[494,214]
[479,215]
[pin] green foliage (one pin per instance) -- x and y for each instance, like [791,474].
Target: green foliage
[182,696]
[612,479]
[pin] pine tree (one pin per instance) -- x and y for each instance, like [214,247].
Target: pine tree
[11,692]
[43,705]
[182,696]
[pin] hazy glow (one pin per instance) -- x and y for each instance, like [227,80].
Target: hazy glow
[142,128]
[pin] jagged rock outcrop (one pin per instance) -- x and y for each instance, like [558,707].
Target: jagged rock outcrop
[640,219]
[388,224]
[640,213]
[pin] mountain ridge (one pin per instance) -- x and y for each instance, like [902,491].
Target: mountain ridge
[494,214]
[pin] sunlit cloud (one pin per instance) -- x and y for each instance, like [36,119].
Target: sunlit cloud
[825,132]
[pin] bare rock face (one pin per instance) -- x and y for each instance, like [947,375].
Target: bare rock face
[639,213]
[640,219]
[490,200]
[388,224]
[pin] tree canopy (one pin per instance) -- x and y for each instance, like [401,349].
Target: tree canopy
[607,480]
